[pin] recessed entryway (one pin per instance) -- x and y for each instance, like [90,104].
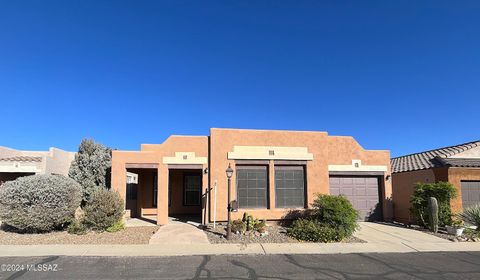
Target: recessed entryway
[185,195]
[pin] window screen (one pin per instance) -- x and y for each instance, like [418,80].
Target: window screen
[252,186]
[193,189]
[289,186]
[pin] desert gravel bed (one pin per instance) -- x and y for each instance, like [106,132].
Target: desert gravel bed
[130,235]
[276,234]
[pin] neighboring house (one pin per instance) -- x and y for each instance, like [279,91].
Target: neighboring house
[274,172]
[459,165]
[17,163]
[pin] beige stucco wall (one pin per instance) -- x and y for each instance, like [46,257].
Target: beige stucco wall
[317,148]
[455,176]
[325,149]
[153,154]
[53,161]
[403,186]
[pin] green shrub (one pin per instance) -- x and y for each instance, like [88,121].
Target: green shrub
[77,227]
[471,216]
[103,210]
[91,167]
[117,226]
[238,226]
[39,203]
[443,192]
[312,230]
[261,226]
[336,212]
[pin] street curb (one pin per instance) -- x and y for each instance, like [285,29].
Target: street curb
[146,250]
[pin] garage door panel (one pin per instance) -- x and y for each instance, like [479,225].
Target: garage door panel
[360,191]
[363,193]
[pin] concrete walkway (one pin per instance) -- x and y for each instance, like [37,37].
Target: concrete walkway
[178,233]
[381,233]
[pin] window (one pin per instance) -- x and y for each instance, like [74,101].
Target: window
[289,186]
[252,186]
[192,190]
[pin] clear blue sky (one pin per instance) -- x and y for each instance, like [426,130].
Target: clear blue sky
[398,75]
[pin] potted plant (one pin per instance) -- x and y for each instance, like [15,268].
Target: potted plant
[456,228]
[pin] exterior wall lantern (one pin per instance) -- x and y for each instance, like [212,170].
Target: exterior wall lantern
[229,172]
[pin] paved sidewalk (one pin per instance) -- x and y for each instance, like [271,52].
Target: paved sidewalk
[230,249]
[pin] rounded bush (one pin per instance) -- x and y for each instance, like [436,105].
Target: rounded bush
[312,230]
[104,209]
[39,203]
[337,212]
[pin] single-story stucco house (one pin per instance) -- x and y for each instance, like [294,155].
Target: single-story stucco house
[17,163]
[459,165]
[274,172]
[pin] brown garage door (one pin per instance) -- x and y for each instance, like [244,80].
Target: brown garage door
[363,192]
[470,193]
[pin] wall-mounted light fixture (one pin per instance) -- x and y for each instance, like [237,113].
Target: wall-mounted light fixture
[387,178]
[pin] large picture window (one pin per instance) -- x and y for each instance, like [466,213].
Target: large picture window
[252,186]
[193,190]
[289,186]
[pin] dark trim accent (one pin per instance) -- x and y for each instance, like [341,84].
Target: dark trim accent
[185,166]
[142,165]
[251,162]
[356,173]
[185,174]
[155,196]
[290,162]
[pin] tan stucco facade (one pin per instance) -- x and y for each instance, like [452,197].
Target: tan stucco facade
[404,183]
[210,156]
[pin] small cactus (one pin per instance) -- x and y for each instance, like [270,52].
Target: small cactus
[433,214]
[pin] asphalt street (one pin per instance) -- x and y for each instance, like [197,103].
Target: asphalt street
[456,265]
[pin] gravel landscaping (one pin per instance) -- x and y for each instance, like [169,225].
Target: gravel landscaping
[130,235]
[276,234]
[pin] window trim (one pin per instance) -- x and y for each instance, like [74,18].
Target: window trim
[185,189]
[267,187]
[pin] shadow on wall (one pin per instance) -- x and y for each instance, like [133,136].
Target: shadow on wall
[295,214]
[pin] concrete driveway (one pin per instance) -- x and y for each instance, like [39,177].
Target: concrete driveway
[383,233]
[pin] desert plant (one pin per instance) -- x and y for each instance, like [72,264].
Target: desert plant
[91,167]
[77,227]
[238,226]
[104,209]
[336,212]
[261,226]
[433,214]
[442,191]
[249,221]
[39,203]
[312,230]
[117,226]
[471,215]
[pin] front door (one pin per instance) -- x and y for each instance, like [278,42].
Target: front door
[131,201]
